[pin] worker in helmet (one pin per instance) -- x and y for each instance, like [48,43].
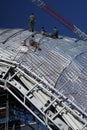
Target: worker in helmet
[33,43]
[55,33]
[32,22]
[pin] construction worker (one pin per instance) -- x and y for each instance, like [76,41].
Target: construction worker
[34,43]
[32,22]
[44,32]
[55,33]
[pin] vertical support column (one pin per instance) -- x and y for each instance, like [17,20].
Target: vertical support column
[7,112]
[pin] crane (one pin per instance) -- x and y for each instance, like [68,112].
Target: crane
[40,3]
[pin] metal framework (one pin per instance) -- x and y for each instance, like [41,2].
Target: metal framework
[40,3]
[50,107]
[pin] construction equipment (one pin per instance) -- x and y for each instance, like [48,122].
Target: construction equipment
[40,3]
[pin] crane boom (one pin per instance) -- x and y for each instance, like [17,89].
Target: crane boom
[40,3]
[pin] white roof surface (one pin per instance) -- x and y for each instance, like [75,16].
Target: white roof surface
[61,62]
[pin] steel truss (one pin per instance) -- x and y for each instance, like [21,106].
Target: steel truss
[50,107]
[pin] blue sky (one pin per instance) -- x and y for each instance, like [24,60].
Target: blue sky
[15,13]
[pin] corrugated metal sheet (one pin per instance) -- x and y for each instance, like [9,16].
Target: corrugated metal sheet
[61,62]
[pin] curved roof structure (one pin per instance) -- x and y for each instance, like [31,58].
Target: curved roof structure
[61,63]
